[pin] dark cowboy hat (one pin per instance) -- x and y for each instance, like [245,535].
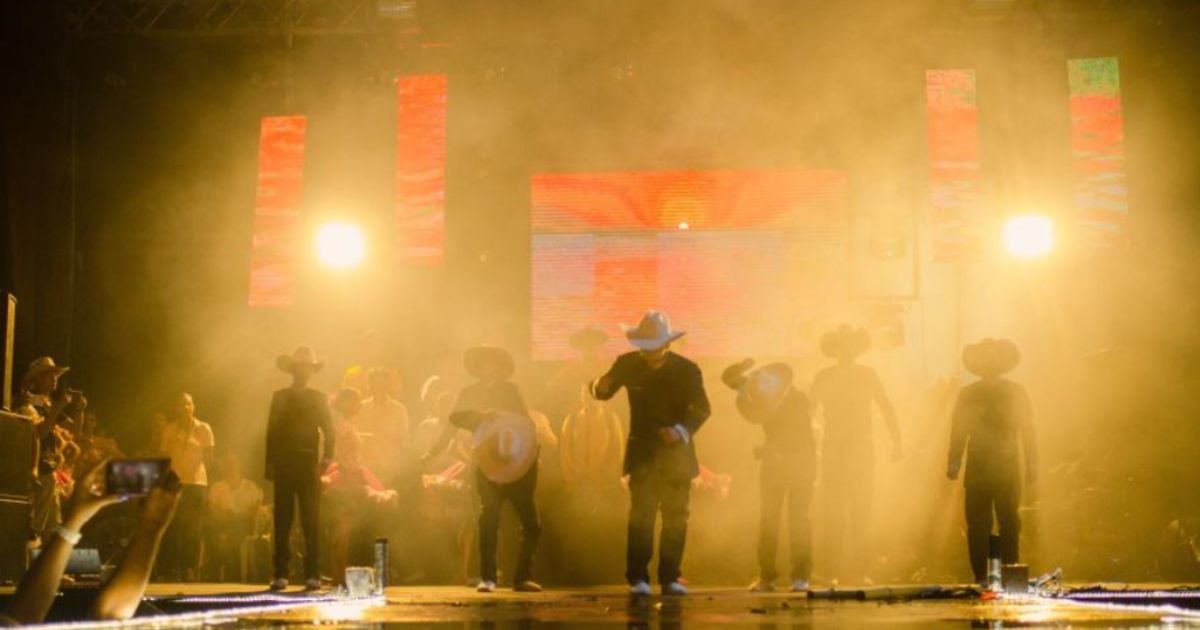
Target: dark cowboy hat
[303,355]
[587,338]
[991,357]
[845,342]
[475,358]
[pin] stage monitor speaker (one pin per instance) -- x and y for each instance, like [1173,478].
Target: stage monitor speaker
[14,535]
[8,319]
[16,454]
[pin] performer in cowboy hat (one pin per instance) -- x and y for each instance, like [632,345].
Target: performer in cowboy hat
[505,453]
[992,422]
[40,397]
[667,407]
[766,397]
[845,393]
[298,419]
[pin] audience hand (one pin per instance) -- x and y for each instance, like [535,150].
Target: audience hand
[159,505]
[89,498]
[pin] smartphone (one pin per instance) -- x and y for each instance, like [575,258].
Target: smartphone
[134,477]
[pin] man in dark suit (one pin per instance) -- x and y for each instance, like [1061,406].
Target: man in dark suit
[992,422]
[667,407]
[298,420]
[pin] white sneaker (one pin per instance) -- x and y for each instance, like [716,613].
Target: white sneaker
[799,586]
[674,588]
[486,586]
[640,589]
[762,586]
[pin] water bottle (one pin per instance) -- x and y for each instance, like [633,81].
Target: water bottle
[381,565]
[993,567]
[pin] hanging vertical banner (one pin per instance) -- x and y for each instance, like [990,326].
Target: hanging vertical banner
[954,164]
[276,230]
[1098,150]
[421,168]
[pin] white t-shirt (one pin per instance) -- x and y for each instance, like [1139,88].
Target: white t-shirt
[187,451]
[224,497]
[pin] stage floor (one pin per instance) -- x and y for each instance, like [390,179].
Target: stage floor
[608,606]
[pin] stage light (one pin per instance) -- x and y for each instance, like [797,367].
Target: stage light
[1029,235]
[683,225]
[341,245]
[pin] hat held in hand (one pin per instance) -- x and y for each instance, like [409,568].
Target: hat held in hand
[759,393]
[505,447]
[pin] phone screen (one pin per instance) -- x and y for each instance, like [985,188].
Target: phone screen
[133,476]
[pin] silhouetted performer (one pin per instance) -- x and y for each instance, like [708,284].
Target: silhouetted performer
[299,419]
[992,420]
[766,397]
[846,392]
[667,407]
[505,451]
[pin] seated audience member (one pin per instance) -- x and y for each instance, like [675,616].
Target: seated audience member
[233,504]
[120,596]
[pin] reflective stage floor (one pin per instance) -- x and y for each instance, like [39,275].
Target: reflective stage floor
[611,606]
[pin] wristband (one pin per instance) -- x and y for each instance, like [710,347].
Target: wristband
[70,537]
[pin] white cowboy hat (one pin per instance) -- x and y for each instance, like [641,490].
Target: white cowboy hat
[653,332]
[505,447]
[42,365]
[760,392]
[303,355]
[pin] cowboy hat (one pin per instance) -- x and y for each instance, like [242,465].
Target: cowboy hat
[505,447]
[991,357]
[40,366]
[587,338]
[304,355]
[760,392]
[845,342]
[653,332]
[475,358]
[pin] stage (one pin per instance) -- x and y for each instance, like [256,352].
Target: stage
[895,606]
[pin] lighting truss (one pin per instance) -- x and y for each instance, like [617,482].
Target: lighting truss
[216,18]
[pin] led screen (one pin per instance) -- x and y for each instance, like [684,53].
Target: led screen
[736,258]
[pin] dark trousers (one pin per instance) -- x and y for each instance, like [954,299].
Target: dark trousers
[184,536]
[297,482]
[986,493]
[492,496]
[791,483]
[847,491]
[650,493]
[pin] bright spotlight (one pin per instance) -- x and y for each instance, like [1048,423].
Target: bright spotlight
[1029,235]
[341,245]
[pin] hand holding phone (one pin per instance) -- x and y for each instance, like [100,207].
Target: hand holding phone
[134,477]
